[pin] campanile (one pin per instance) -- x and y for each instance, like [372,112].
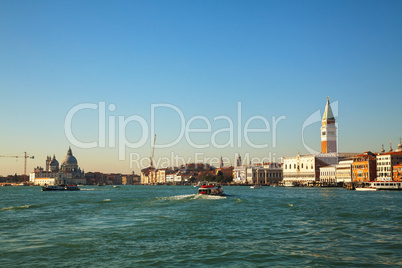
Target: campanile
[328,131]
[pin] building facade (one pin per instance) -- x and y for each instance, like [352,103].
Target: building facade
[328,175]
[364,167]
[385,164]
[344,172]
[397,170]
[266,173]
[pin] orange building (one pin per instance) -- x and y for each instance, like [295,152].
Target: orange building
[397,170]
[364,167]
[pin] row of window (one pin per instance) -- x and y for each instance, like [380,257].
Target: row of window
[380,163]
[269,175]
[384,169]
[298,167]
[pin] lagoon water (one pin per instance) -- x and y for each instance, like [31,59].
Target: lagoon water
[137,226]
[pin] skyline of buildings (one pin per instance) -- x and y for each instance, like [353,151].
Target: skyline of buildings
[328,167]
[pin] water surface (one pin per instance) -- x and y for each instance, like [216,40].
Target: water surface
[135,226]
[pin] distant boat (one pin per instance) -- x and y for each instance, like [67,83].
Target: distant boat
[255,186]
[289,184]
[60,188]
[116,186]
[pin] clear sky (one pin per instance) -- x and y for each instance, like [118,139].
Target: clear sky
[201,60]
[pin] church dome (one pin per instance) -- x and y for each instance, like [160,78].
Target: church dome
[69,159]
[54,162]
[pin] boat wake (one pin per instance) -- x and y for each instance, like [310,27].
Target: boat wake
[212,197]
[193,196]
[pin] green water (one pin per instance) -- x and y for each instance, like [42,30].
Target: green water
[169,226]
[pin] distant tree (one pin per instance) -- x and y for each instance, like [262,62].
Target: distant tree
[208,177]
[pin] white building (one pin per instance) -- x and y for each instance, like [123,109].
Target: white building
[239,172]
[264,174]
[328,175]
[385,164]
[344,171]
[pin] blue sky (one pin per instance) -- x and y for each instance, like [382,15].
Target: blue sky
[277,58]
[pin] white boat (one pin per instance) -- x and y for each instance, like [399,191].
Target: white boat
[255,186]
[365,189]
[210,189]
[289,184]
[386,185]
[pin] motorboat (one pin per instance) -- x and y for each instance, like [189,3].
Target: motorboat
[255,186]
[60,188]
[210,189]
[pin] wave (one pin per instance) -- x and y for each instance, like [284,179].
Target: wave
[16,208]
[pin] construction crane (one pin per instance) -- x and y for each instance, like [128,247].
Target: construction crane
[152,162]
[26,156]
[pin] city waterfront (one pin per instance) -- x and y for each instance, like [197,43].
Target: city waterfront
[134,226]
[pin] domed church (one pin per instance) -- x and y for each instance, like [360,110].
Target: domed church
[68,173]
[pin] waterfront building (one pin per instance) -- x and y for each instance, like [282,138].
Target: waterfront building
[148,175]
[328,175]
[266,173]
[130,179]
[305,169]
[328,131]
[162,173]
[68,173]
[174,178]
[364,167]
[397,172]
[344,172]
[239,172]
[385,164]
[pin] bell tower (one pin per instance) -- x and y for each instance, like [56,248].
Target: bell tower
[328,131]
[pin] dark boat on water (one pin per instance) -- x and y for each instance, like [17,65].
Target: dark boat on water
[60,188]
